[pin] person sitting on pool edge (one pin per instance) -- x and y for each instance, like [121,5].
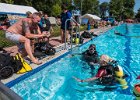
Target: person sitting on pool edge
[105,72]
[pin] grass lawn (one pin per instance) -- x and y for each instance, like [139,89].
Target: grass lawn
[6,43]
[57,30]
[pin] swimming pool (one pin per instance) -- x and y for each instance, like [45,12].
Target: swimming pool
[55,81]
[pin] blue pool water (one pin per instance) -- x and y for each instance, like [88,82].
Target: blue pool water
[55,81]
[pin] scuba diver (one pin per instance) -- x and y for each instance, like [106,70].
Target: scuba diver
[105,71]
[91,55]
[108,73]
[118,33]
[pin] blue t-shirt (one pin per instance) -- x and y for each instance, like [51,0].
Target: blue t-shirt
[47,24]
[88,27]
[64,17]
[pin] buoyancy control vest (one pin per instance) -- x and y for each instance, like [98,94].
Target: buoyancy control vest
[109,77]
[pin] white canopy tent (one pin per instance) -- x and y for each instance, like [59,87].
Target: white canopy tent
[15,9]
[91,17]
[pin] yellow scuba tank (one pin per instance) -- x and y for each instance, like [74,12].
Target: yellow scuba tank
[136,91]
[73,40]
[76,40]
[119,77]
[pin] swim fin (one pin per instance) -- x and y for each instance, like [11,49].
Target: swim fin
[26,67]
[22,69]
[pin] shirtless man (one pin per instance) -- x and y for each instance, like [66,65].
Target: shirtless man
[22,31]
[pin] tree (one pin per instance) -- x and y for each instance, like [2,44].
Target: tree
[103,8]
[129,8]
[56,10]
[121,9]
[90,6]
[138,15]
[7,1]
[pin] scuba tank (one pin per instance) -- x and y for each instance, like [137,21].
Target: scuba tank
[119,77]
[76,40]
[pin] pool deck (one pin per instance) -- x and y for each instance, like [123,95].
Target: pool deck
[55,41]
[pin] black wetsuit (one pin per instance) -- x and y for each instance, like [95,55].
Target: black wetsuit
[91,59]
[88,57]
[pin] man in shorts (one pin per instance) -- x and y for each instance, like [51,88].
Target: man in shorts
[65,15]
[22,31]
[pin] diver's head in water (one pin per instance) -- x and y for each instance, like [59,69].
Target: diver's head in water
[104,60]
[92,49]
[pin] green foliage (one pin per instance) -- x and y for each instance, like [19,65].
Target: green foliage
[90,6]
[57,30]
[138,14]
[122,9]
[103,8]
[7,1]
[56,10]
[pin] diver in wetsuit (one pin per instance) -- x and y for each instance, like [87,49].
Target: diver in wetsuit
[91,55]
[105,70]
[108,73]
[118,33]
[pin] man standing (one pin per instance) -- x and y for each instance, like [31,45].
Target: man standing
[65,15]
[22,31]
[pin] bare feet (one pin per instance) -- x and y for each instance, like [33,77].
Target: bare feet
[36,61]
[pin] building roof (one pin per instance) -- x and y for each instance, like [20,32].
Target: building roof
[15,9]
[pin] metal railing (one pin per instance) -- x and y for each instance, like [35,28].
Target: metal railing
[71,20]
[7,94]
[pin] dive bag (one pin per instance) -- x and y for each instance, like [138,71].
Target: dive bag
[8,65]
[86,35]
[45,48]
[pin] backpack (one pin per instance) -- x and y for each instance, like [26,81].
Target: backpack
[6,69]
[8,65]
[86,35]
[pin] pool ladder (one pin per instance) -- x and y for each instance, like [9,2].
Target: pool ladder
[77,32]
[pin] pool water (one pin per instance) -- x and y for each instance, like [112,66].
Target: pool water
[55,81]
